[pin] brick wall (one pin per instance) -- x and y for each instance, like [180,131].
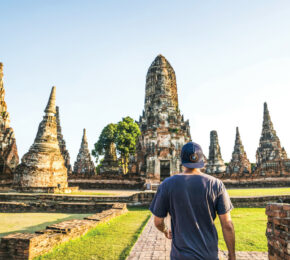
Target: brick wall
[278,231]
[24,246]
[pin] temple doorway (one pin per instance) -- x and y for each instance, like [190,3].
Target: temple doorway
[164,170]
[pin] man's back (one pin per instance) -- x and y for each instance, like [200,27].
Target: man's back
[192,200]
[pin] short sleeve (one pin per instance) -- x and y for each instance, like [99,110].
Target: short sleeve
[224,203]
[160,203]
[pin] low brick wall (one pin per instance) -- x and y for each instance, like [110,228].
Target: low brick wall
[23,246]
[257,182]
[114,184]
[278,231]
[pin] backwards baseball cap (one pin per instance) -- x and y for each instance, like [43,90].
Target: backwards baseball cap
[192,156]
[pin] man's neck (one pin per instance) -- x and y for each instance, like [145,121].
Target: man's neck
[191,171]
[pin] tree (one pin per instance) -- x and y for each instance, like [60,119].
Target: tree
[124,134]
[108,136]
[126,139]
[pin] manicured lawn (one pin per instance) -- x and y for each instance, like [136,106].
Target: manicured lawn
[31,222]
[250,227]
[89,193]
[112,240]
[258,192]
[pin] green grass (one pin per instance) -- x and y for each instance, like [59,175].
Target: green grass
[31,222]
[250,228]
[112,240]
[258,192]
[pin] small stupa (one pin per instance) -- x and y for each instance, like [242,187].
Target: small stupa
[215,163]
[84,164]
[110,163]
[42,168]
[239,164]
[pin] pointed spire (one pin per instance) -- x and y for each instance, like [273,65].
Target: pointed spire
[50,108]
[239,163]
[266,118]
[84,163]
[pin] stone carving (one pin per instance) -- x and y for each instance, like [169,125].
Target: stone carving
[215,163]
[239,163]
[8,151]
[110,163]
[271,157]
[84,163]
[163,129]
[62,144]
[43,166]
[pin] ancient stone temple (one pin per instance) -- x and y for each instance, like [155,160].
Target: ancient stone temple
[215,163]
[84,164]
[8,150]
[163,129]
[43,168]
[110,163]
[239,164]
[62,144]
[271,157]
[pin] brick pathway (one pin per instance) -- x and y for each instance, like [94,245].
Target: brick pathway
[153,245]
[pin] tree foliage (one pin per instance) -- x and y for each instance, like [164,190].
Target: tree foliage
[108,136]
[124,134]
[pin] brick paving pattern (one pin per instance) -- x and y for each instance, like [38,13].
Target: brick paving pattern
[153,245]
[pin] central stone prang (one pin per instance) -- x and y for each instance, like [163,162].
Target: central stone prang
[163,129]
[42,168]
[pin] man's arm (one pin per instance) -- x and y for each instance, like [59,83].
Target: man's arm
[160,225]
[229,233]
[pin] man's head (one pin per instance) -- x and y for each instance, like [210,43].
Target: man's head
[192,156]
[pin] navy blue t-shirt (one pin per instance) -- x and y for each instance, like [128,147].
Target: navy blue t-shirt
[192,202]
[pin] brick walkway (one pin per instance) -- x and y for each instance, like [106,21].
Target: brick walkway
[153,245]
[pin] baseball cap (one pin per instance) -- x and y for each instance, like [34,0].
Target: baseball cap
[192,156]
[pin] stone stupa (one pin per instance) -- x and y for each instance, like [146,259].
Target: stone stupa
[163,128]
[8,150]
[215,163]
[239,164]
[271,157]
[62,144]
[110,163]
[42,168]
[84,164]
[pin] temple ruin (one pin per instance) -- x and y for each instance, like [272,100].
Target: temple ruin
[215,163]
[239,164]
[163,129]
[271,157]
[8,151]
[42,168]
[110,164]
[84,164]
[62,144]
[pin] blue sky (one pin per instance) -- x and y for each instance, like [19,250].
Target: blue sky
[229,57]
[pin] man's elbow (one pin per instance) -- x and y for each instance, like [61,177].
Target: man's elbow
[228,226]
[158,222]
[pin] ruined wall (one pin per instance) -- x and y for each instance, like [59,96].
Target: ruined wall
[24,246]
[278,231]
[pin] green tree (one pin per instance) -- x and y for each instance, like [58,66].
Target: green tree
[108,136]
[126,139]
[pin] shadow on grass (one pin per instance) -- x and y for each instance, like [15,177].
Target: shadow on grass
[41,226]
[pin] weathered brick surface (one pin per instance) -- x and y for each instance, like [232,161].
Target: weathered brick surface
[153,245]
[278,231]
[21,246]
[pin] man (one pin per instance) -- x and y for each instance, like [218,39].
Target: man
[193,199]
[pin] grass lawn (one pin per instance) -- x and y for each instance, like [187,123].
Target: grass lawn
[258,192]
[112,240]
[31,222]
[250,227]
